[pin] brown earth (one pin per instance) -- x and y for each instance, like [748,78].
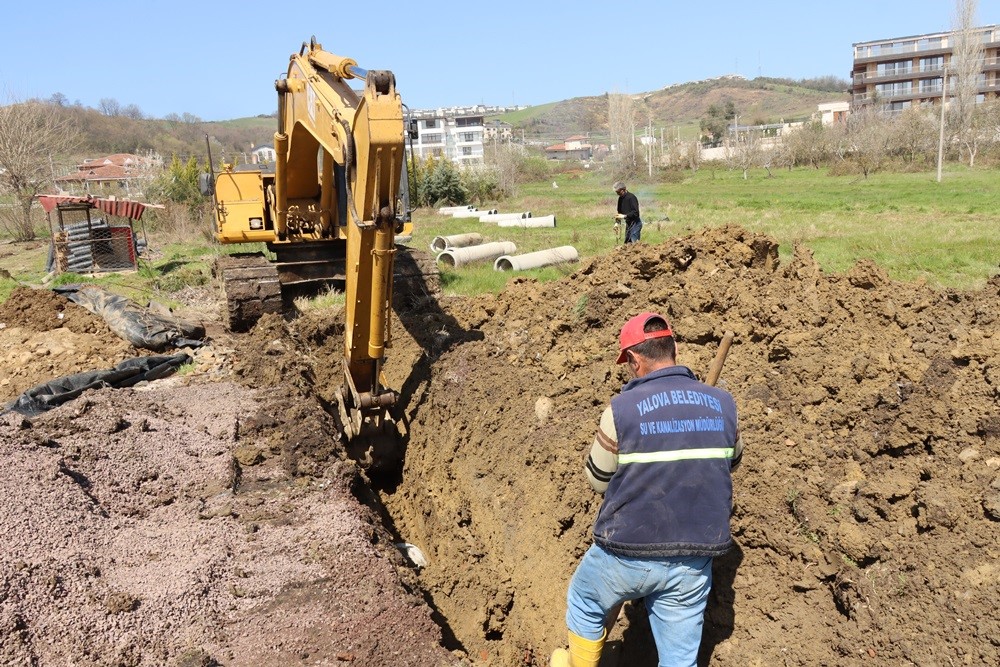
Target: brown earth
[214,517]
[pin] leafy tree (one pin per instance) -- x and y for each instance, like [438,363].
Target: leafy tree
[716,122]
[444,185]
[179,183]
[482,182]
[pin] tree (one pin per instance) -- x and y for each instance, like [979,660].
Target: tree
[967,65]
[621,124]
[984,128]
[133,111]
[506,158]
[33,136]
[914,133]
[179,183]
[809,144]
[444,185]
[867,139]
[109,106]
[716,122]
[744,152]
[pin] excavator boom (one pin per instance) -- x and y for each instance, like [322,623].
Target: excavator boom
[330,211]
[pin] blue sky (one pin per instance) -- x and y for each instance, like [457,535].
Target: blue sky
[218,59]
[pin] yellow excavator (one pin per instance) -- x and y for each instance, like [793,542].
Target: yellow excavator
[328,211]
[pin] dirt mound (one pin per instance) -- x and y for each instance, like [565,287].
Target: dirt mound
[867,505]
[201,520]
[44,336]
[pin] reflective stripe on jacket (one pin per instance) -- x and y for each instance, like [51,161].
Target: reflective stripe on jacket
[672,492]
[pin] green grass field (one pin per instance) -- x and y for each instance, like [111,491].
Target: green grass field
[946,233]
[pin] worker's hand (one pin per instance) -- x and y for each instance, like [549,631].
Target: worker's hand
[620,216]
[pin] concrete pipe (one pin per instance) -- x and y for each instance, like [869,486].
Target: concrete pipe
[544,221]
[456,241]
[534,260]
[449,209]
[467,213]
[497,217]
[476,253]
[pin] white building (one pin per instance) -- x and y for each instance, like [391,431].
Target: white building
[833,112]
[455,133]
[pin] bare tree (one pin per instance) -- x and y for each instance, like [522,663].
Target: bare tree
[914,133]
[133,111]
[985,128]
[967,58]
[866,139]
[622,116]
[33,136]
[809,144]
[109,106]
[505,158]
[744,151]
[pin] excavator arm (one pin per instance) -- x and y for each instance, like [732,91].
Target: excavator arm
[328,211]
[325,127]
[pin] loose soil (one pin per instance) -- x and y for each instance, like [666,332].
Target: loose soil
[214,518]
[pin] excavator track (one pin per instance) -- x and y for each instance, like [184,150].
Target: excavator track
[251,286]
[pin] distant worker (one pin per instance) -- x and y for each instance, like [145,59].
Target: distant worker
[628,212]
[662,458]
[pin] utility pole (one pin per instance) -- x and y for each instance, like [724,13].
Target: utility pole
[944,90]
[649,141]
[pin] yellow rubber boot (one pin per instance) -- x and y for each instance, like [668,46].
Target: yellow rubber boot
[582,652]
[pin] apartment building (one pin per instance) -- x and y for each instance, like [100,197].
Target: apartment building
[453,133]
[905,71]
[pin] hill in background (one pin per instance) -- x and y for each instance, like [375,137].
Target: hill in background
[682,106]
[678,108]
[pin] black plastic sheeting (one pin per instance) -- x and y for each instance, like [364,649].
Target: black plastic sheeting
[139,326]
[126,374]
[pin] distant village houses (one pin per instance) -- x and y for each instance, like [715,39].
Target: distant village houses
[576,147]
[262,154]
[118,174]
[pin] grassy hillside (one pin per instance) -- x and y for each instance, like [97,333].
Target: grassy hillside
[681,106]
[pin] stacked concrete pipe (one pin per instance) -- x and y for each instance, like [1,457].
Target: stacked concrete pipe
[447,210]
[477,253]
[471,213]
[544,221]
[534,260]
[497,217]
[441,243]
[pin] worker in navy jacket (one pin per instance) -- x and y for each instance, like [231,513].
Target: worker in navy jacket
[662,458]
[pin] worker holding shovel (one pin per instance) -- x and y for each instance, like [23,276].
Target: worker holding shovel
[628,213]
[662,458]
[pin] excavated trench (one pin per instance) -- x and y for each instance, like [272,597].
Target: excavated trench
[867,506]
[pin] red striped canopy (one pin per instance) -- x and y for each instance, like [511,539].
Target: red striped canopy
[124,208]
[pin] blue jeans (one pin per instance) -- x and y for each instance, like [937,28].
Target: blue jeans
[675,591]
[632,231]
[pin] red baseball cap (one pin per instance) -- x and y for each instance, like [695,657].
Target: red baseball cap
[633,334]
